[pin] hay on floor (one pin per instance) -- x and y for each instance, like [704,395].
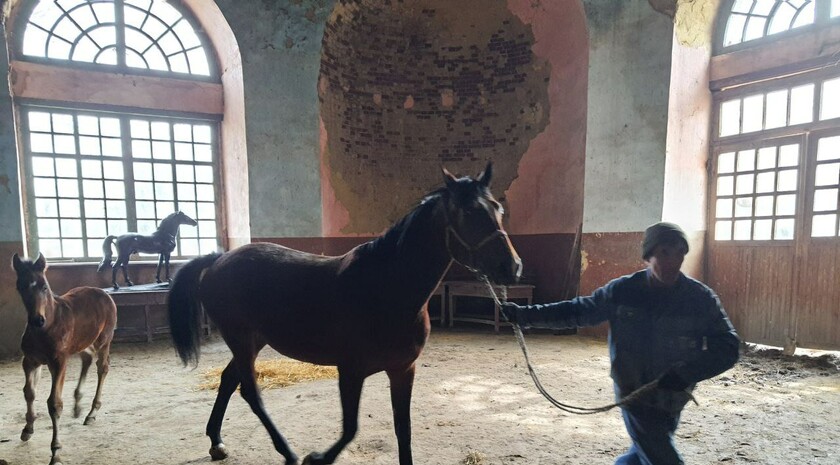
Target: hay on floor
[277,373]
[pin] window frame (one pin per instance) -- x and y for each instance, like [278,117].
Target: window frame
[66,85]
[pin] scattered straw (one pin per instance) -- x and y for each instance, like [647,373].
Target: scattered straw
[473,458]
[276,374]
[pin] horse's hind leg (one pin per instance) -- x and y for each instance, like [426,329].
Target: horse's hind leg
[244,362]
[157,272]
[32,371]
[227,386]
[350,386]
[103,364]
[87,359]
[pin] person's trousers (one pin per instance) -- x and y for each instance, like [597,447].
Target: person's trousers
[652,433]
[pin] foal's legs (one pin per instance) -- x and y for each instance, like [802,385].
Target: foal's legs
[227,386]
[103,364]
[31,371]
[87,358]
[350,386]
[55,405]
[243,360]
[402,382]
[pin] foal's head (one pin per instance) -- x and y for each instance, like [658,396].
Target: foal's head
[475,236]
[33,288]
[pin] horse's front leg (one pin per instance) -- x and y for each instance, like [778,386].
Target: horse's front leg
[58,368]
[167,267]
[350,383]
[157,271]
[402,382]
[31,371]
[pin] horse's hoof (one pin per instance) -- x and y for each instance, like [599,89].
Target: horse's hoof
[218,452]
[25,435]
[116,288]
[90,421]
[314,458]
[129,283]
[158,281]
[55,461]
[77,411]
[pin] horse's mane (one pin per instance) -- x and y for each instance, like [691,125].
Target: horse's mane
[392,240]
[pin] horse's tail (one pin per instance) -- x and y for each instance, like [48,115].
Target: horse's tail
[185,309]
[106,253]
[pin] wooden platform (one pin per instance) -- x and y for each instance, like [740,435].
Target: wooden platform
[142,312]
[455,289]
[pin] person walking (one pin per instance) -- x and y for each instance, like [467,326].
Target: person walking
[663,325]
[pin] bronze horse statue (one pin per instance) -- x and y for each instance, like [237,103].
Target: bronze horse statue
[161,242]
[82,321]
[362,312]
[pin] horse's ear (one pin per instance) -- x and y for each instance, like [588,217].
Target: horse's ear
[485,176]
[448,178]
[16,263]
[41,263]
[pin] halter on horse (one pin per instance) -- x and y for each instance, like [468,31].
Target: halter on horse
[161,241]
[362,311]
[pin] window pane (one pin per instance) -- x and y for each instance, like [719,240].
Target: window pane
[44,187]
[776,112]
[825,200]
[115,189]
[72,248]
[93,189]
[762,230]
[744,184]
[723,208]
[765,182]
[743,207]
[69,208]
[764,205]
[144,191]
[828,174]
[112,169]
[145,210]
[71,228]
[824,225]
[94,208]
[726,185]
[48,227]
[206,210]
[96,228]
[743,230]
[802,104]
[789,155]
[734,29]
[39,121]
[753,113]
[746,160]
[40,143]
[835,8]
[787,180]
[786,205]
[828,148]
[783,229]
[46,207]
[162,150]
[203,152]
[204,192]
[829,107]
[723,230]
[766,158]
[730,118]
[203,173]
[755,28]
[116,208]
[68,187]
[163,172]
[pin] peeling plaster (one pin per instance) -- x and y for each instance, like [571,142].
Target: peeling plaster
[694,22]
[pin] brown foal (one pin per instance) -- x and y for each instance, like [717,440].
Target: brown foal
[81,321]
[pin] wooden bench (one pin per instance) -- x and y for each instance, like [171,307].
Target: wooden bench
[457,289]
[152,320]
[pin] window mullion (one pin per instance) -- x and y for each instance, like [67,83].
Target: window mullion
[128,173]
[119,20]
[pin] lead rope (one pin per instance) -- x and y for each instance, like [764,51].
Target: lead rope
[626,400]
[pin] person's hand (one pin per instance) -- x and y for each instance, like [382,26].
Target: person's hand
[672,381]
[510,311]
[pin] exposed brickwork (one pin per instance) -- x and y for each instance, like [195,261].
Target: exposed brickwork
[406,87]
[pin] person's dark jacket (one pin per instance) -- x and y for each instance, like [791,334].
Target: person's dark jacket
[652,330]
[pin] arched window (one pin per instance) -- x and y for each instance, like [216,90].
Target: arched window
[118,103]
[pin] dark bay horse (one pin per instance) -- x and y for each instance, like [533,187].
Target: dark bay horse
[362,311]
[82,321]
[161,242]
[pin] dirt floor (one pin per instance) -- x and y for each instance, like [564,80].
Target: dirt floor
[473,404]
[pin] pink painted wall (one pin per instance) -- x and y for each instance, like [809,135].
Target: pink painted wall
[543,189]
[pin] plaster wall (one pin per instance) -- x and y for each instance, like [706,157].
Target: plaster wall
[629,77]
[280,43]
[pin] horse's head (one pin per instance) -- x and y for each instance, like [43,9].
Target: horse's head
[182,218]
[474,232]
[33,288]
[173,221]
